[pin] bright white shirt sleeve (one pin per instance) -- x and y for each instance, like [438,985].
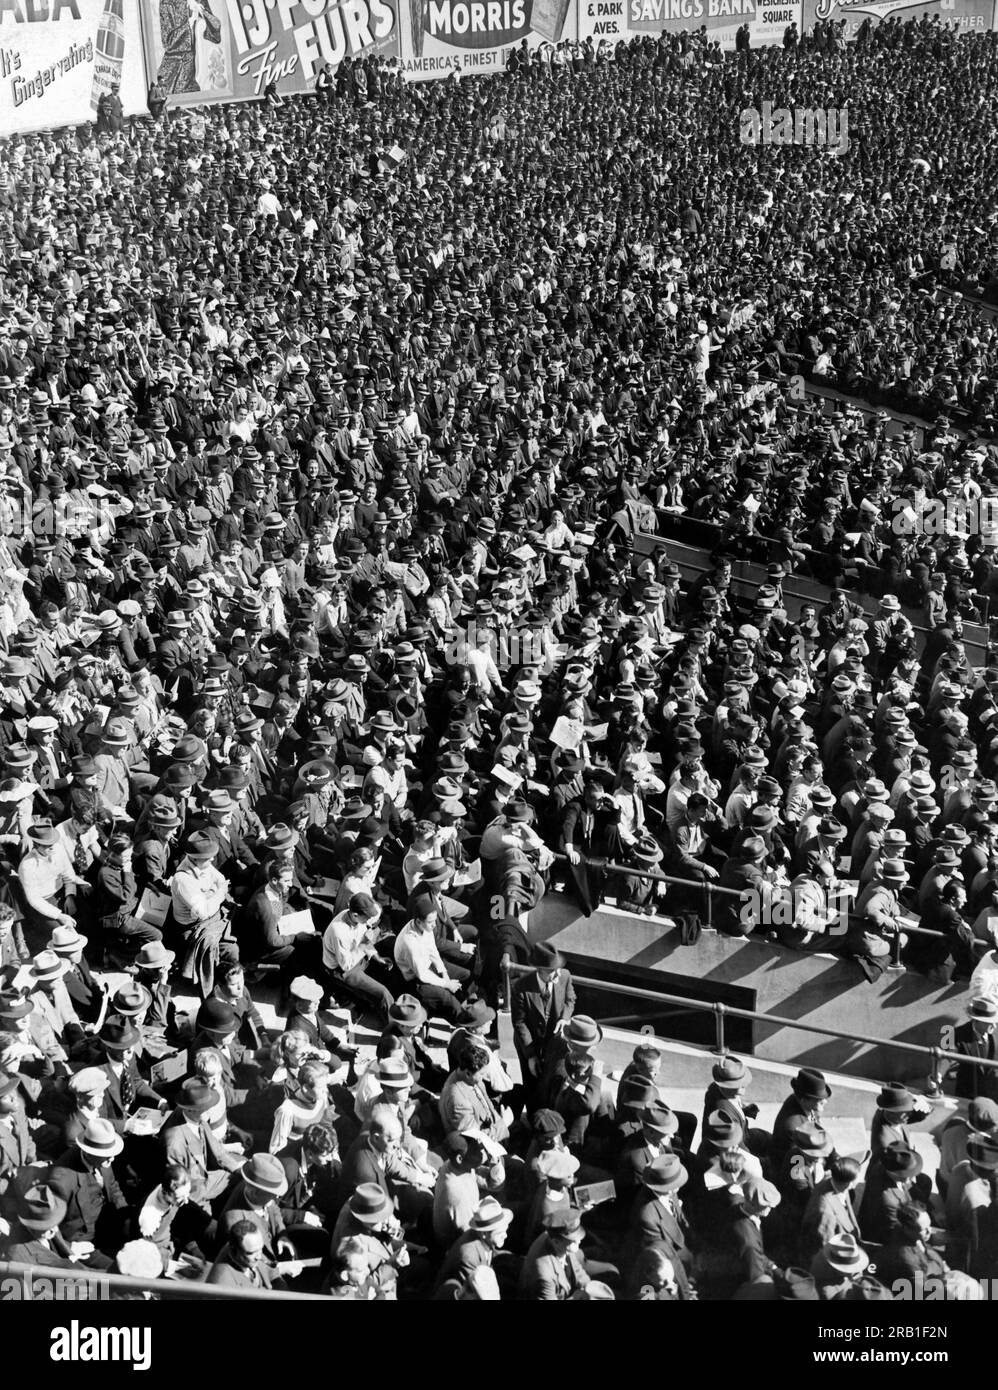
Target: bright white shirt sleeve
[39,879]
[417,956]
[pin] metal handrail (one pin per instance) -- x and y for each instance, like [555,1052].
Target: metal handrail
[723,1011]
[174,1289]
[632,871]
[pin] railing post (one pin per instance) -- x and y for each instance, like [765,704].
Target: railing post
[505,1001]
[896,952]
[709,905]
[934,1085]
[719,1012]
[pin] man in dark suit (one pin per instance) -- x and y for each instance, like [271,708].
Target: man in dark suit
[189,1142]
[85,992]
[585,832]
[804,1107]
[243,1263]
[540,1003]
[34,1233]
[84,1179]
[976,1039]
[367,1159]
[313,1180]
[657,1217]
[127,1091]
[659,1126]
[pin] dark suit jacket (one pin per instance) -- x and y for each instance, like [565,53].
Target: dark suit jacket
[88,1195]
[34,1252]
[650,1225]
[748,1250]
[790,1118]
[971,1081]
[317,1192]
[224,1271]
[114,1106]
[181,1146]
[533,1023]
[597,840]
[361,1165]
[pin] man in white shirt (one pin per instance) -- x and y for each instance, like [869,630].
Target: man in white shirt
[198,891]
[513,830]
[478,656]
[348,948]
[44,873]
[421,965]
[268,203]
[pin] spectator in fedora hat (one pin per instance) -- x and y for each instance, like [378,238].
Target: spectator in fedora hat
[51,999]
[188,1141]
[658,1218]
[975,1038]
[47,878]
[542,1003]
[85,993]
[554,1268]
[35,1237]
[480,1246]
[837,1268]
[255,1198]
[809,1095]
[887,1189]
[95,1205]
[981,1118]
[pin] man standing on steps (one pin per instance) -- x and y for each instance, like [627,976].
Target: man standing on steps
[541,1005]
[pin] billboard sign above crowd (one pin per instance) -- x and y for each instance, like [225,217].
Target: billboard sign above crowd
[616,21]
[959,14]
[59,57]
[468,37]
[232,50]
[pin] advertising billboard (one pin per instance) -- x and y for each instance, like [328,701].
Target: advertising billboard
[616,21]
[58,57]
[232,50]
[441,37]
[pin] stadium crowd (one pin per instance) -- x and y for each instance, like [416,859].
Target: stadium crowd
[334,436]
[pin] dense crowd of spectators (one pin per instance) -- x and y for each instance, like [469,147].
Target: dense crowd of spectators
[333,432]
